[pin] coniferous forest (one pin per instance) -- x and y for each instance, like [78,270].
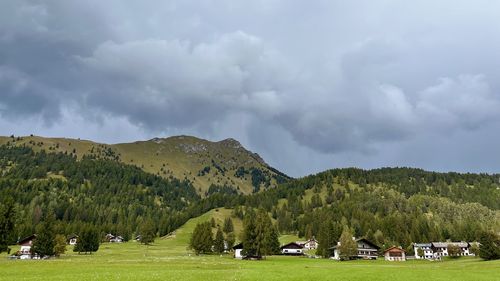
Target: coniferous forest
[390,206]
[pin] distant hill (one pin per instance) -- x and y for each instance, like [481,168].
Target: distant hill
[225,164]
[87,183]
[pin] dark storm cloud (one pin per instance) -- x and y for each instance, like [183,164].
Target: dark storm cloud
[309,85]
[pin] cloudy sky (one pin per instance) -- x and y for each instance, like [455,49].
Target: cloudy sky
[309,85]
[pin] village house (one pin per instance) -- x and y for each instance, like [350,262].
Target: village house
[292,249]
[426,251]
[114,239]
[25,251]
[366,250]
[395,254]
[72,239]
[438,250]
[237,251]
[309,244]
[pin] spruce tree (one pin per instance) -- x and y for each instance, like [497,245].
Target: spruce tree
[59,245]
[326,239]
[249,235]
[267,234]
[348,246]
[88,240]
[228,226]
[230,240]
[148,232]
[272,241]
[43,245]
[489,247]
[201,239]
[219,241]
[7,217]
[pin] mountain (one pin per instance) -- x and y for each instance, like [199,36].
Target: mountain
[223,165]
[391,206]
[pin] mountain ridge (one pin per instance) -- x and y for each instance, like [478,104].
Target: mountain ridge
[204,163]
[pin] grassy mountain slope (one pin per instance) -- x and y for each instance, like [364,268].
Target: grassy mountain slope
[223,163]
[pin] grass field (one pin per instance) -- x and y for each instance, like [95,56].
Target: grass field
[169,259]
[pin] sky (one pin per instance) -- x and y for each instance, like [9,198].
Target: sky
[309,85]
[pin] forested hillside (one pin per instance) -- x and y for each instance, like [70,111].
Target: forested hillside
[115,196]
[201,162]
[391,206]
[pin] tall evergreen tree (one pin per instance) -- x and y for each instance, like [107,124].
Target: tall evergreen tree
[88,240]
[260,237]
[348,246]
[59,245]
[219,241]
[228,226]
[327,238]
[7,217]
[489,246]
[201,239]
[249,237]
[148,232]
[272,243]
[230,240]
[43,245]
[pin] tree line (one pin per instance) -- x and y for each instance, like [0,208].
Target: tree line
[390,206]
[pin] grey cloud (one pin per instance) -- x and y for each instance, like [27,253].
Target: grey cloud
[352,81]
[159,83]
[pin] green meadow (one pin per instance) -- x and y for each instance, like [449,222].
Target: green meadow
[169,259]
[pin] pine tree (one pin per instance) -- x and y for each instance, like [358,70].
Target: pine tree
[272,241]
[201,239]
[228,226]
[219,241]
[326,239]
[260,237]
[249,235]
[43,245]
[7,216]
[88,240]
[489,247]
[148,232]
[230,240]
[348,246]
[59,245]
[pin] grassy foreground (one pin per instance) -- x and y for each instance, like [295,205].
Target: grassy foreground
[168,259]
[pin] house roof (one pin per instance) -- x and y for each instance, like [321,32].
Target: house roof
[394,249]
[238,246]
[359,240]
[368,242]
[292,245]
[26,239]
[422,244]
[446,244]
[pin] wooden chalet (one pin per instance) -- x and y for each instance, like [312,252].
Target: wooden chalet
[114,239]
[366,250]
[292,249]
[71,239]
[26,244]
[237,251]
[309,244]
[395,254]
